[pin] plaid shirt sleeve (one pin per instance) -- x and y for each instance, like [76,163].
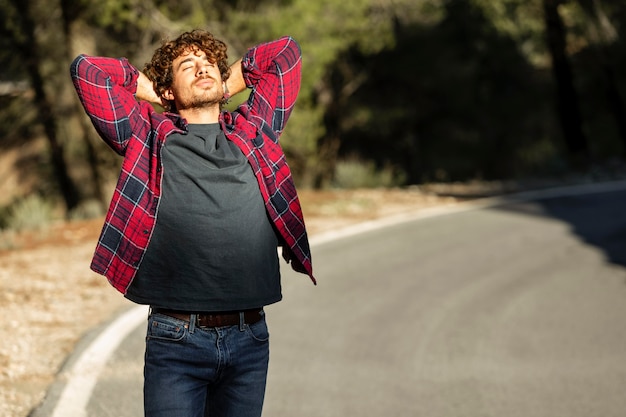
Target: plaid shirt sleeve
[273,72]
[106,87]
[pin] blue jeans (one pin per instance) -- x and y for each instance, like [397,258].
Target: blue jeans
[199,372]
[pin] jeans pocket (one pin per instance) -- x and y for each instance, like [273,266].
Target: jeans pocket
[258,331]
[165,328]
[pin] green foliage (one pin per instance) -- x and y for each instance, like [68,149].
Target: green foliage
[472,98]
[521,21]
[325,29]
[30,213]
[299,141]
[353,174]
[119,14]
[88,209]
[436,89]
[16,117]
[10,38]
[542,158]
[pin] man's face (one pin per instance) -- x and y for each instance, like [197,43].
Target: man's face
[197,82]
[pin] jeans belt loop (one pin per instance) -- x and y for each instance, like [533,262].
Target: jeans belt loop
[242,321]
[192,322]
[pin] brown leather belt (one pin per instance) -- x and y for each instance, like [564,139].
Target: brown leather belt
[214,319]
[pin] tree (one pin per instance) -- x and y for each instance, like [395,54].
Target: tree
[567,99]
[603,35]
[327,30]
[453,89]
[27,47]
[455,97]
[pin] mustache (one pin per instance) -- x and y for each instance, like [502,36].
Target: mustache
[204,77]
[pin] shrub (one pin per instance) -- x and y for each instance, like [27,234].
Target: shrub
[354,173]
[32,212]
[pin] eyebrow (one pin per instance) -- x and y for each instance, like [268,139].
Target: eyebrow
[190,59]
[184,61]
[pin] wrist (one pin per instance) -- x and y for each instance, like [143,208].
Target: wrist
[145,90]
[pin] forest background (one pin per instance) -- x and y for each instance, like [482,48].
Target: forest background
[394,92]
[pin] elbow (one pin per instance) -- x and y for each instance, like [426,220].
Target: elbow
[76,66]
[294,45]
[291,54]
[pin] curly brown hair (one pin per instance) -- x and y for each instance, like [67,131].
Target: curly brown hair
[159,69]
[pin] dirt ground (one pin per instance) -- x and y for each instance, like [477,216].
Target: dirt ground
[50,298]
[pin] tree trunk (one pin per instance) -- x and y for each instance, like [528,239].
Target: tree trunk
[77,41]
[616,104]
[30,54]
[342,83]
[606,34]
[569,113]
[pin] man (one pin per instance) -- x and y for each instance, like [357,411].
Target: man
[204,198]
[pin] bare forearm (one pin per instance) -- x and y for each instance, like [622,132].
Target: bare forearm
[235,82]
[145,90]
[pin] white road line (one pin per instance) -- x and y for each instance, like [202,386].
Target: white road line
[83,375]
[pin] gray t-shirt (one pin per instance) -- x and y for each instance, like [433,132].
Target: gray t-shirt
[213,248]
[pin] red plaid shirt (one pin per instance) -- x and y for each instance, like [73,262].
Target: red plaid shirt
[107,86]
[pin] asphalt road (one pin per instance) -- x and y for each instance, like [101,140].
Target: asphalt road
[517,310]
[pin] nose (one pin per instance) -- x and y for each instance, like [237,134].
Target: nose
[202,68]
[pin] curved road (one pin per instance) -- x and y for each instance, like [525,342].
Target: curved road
[513,310]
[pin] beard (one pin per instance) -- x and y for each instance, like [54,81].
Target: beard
[200,101]
[199,97]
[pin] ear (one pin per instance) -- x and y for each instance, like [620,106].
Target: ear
[168,95]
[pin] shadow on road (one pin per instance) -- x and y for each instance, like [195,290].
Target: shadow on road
[597,219]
